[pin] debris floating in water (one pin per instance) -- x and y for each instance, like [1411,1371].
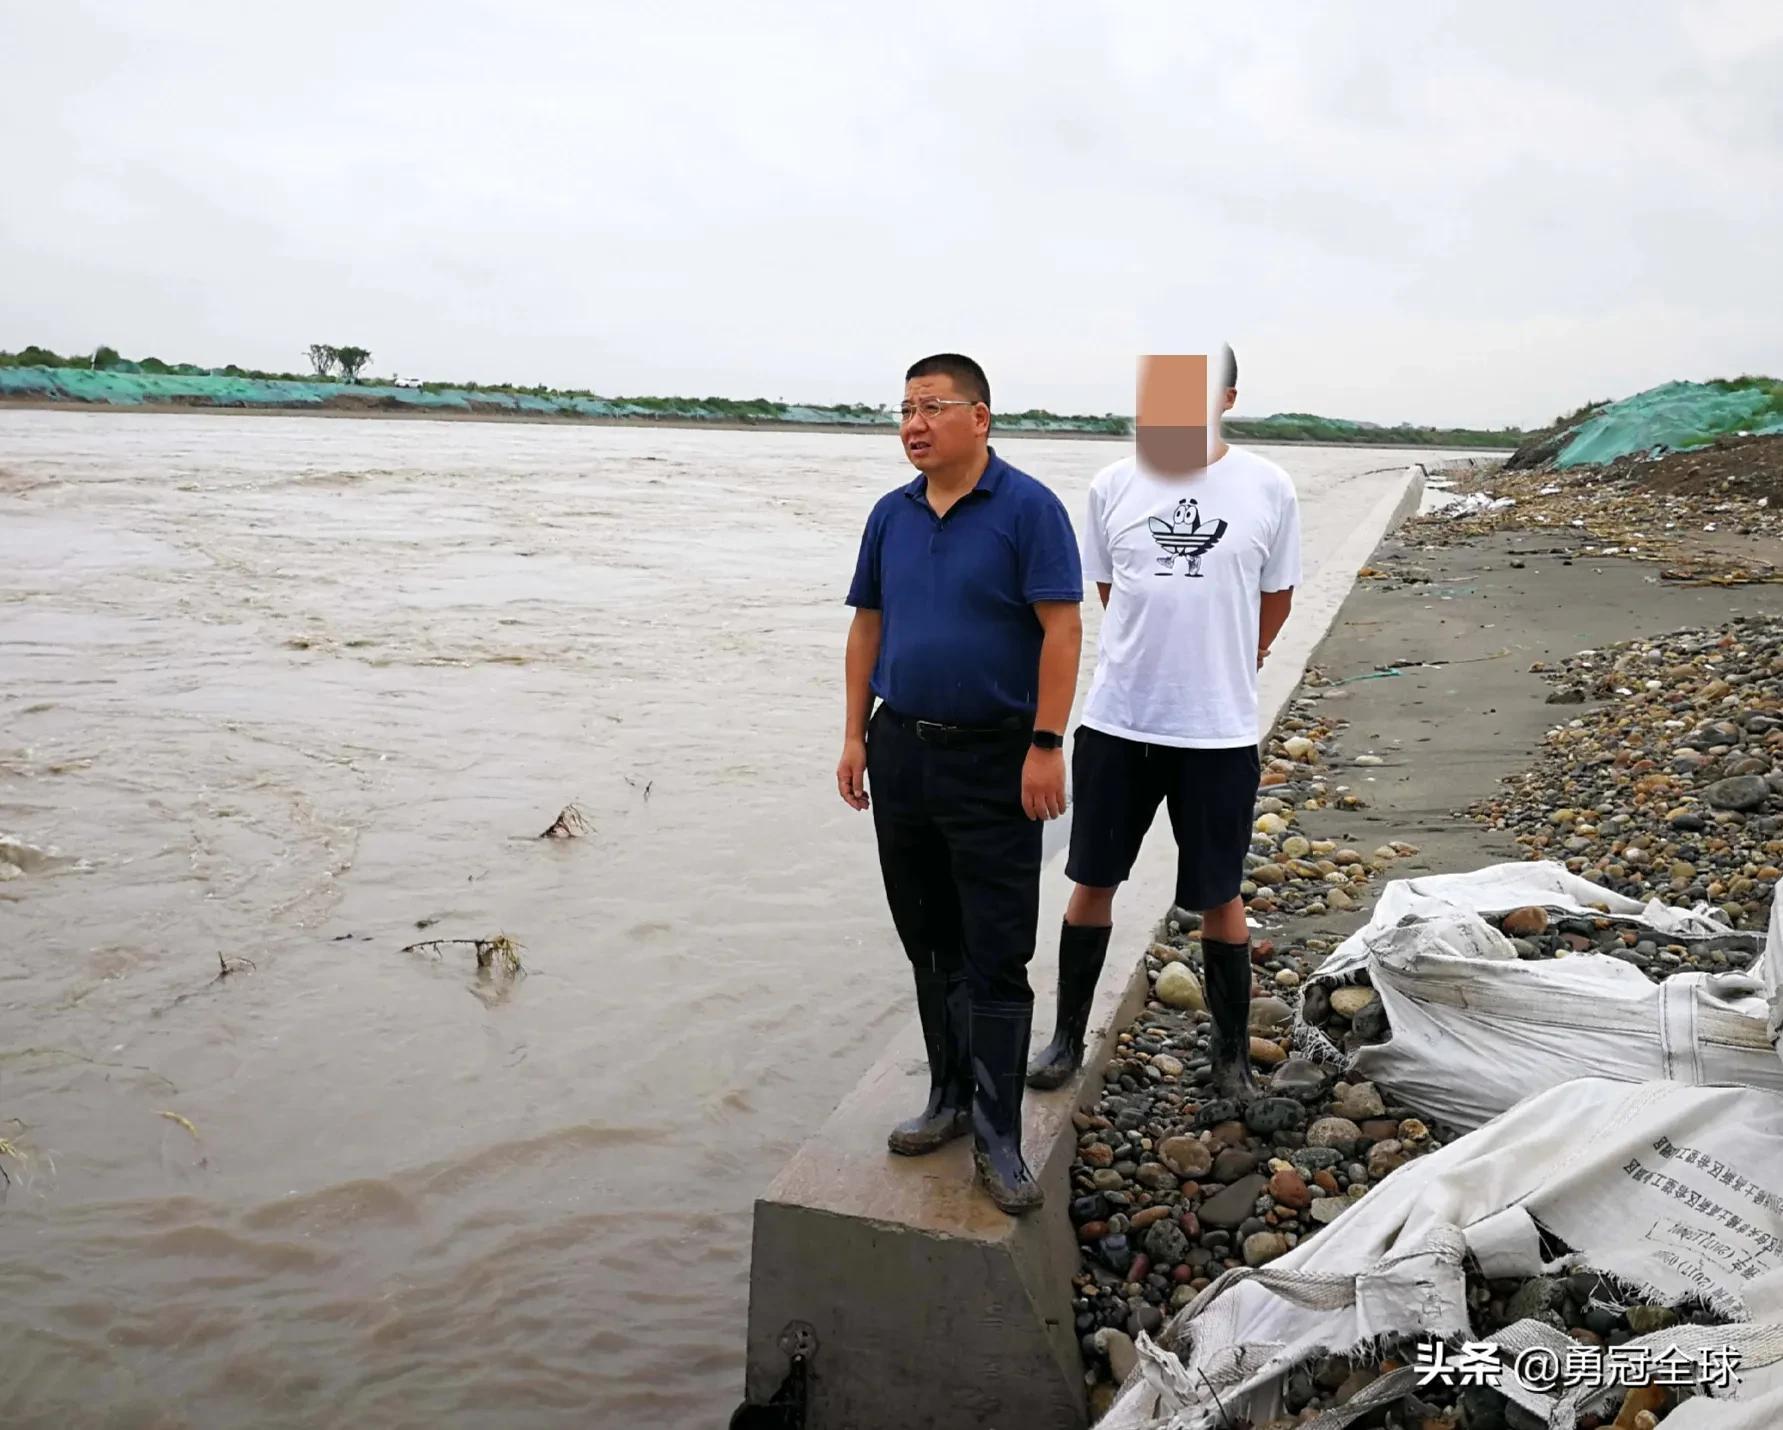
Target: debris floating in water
[175,1117]
[570,824]
[490,952]
[8,1149]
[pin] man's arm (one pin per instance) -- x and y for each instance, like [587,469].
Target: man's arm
[1052,585]
[1098,560]
[863,654]
[1276,605]
[1281,574]
[1043,773]
[1060,650]
[868,600]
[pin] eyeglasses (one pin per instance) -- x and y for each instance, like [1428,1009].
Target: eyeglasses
[930,407]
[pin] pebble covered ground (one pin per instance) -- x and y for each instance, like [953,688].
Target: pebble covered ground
[1173,1185]
[1666,783]
[1671,784]
[1286,873]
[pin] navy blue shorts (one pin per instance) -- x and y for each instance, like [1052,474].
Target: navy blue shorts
[1116,787]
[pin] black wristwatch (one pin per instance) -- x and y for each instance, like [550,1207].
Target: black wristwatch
[1047,740]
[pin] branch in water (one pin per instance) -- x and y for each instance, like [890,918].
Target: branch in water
[488,950]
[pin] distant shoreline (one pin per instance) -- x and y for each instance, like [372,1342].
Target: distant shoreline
[24,404]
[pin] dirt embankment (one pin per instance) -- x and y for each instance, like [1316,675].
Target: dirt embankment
[1712,513]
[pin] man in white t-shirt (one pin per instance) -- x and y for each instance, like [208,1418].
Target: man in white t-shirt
[1194,547]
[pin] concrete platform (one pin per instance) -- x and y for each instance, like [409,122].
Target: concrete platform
[912,1300]
[930,1306]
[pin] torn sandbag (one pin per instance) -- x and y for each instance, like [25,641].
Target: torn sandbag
[1497,888]
[1667,1188]
[1760,1404]
[1770,974]
[1471,1029]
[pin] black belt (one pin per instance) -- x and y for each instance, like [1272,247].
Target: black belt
[936,732]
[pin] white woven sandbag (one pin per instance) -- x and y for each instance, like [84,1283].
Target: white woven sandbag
[1662,1185]
[1475,1030]
[1499,888]
[1770,972]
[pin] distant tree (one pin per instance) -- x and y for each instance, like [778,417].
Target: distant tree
[154,364]
[351,361]
[323,357]
[105,356]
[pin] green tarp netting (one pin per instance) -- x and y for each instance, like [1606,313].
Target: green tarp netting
[120,387]
[133,389]
[1674,416]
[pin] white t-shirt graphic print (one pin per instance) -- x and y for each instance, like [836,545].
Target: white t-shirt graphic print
[1188,558]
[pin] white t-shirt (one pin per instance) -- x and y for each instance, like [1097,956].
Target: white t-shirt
[1189,558]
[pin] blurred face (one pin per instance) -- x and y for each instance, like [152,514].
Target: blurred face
[951,435]
[1174,431]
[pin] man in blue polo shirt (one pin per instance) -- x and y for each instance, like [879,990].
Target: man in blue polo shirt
[967,628]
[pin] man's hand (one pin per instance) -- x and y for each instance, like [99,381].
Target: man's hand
[851,774]
[1043,784]
[1262,655]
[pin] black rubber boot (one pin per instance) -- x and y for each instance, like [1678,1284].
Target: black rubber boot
[943,1004]
[999,1053]
[1082,948]
[1227,969]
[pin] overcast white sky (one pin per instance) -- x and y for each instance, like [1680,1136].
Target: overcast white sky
[1426,212]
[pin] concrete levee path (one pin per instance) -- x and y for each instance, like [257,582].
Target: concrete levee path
[906,1297]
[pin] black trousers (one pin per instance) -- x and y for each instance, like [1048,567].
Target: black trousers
[960,858]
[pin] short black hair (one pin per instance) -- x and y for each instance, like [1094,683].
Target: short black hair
[1231,368]
[967,375]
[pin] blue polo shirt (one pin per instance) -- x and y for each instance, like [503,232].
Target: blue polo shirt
[959,640]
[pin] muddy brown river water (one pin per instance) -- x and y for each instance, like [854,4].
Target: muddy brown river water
[288,695]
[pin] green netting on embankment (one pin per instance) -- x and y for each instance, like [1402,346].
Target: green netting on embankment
[134,389]
[1675,416]
[111,387]
[124,385]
